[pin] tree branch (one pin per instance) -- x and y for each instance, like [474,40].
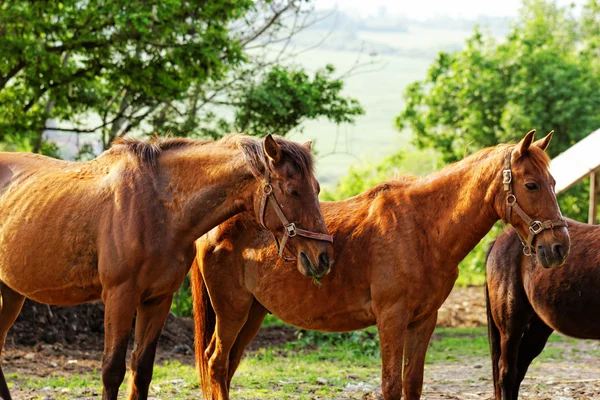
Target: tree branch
[267,25]
[4,80]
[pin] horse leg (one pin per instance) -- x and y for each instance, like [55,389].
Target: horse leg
[12,302]
[251,327]
[151,317]
[532,344]
[415,348]
[230,321]
[119,308]
[510,341]
[391,325]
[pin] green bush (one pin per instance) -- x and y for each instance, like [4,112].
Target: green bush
[364,342]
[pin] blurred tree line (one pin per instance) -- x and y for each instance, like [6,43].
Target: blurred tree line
[192,68]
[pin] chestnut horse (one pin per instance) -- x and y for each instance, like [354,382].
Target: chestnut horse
[526,303]
[122,228]
[397,247]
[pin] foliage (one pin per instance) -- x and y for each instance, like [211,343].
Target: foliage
[365,342]
[182,300]
[544,74]
[285,97]
[363,176]
[138,67]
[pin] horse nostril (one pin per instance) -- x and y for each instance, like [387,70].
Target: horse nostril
[324,259]
[557,248]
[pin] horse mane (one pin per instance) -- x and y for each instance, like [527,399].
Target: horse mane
[148,151]
[538,157]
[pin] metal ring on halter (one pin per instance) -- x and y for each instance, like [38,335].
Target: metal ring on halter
[291,229]
[268,189]
[527,251]
[511,200]
[536,227]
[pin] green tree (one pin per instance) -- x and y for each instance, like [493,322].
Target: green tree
[365,175]
[545,74]
[153,66]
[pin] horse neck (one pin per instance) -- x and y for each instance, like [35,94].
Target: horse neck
[461,204]
[205,186]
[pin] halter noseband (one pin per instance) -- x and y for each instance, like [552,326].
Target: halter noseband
[290,229]
[535,226]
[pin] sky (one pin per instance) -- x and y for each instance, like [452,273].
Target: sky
[424,9]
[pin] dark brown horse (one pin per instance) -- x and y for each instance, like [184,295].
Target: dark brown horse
[397,247]
[122,228]
[527,302]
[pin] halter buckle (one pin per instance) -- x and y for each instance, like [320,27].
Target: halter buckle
[536,227]
[291,229]
[268,189]
[506,176]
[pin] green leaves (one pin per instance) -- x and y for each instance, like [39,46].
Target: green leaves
[285,97]
[492,91]
[545,74]
[146,67]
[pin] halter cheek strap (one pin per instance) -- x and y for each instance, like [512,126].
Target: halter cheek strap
[290,229]
[535,227]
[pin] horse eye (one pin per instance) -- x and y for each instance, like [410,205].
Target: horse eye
[293,192]
[532,186]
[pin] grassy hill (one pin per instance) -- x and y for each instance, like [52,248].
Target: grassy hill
[380,91]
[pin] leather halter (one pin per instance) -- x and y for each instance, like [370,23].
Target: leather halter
[535,226]
[290,229]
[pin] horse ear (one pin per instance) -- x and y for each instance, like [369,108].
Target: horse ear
[544,142]
[525,143]
[272,149]
[308,145]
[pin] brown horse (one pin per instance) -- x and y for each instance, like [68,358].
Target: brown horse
[122,228]
[397,246]
[526,303]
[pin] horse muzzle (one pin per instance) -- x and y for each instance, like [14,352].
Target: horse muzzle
[315,269]
[552,254]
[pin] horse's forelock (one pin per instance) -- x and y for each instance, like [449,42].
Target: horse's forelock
[298,155]
[539,158]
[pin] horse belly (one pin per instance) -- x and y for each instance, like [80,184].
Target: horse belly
[334,314]
[569,306]
[48,248]
[58,286]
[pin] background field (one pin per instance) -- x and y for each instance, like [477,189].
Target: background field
[378,86]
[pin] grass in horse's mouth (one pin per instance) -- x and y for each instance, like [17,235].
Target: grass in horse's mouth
[317,282]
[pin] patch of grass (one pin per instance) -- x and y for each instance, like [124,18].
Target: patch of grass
[318,365]
[452,344]
[302,374]
[271,320]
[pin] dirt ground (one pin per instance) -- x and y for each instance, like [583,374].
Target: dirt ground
[467,379]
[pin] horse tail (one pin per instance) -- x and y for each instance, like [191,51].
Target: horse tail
[204,327]
[493,331]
